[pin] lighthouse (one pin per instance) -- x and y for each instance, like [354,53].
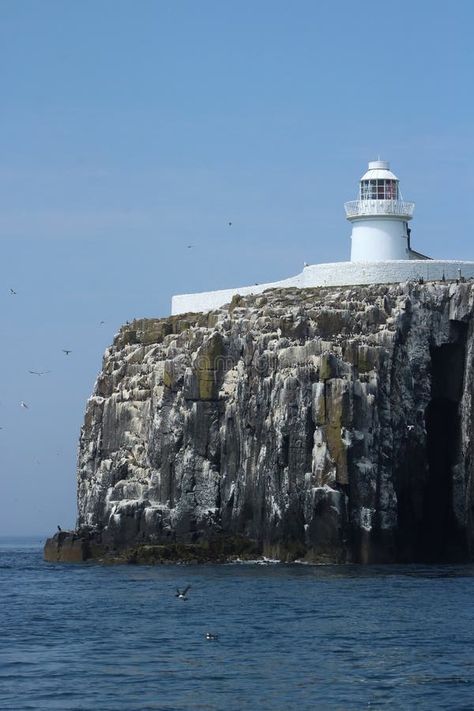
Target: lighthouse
[380,217]
[381,252]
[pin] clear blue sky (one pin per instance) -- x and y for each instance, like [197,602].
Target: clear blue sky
[131,129]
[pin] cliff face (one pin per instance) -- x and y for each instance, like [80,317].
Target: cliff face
[325,424]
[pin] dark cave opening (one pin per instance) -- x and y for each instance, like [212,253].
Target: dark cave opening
[441,539]
[438,527]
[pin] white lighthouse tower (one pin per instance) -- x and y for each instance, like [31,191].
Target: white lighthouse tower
[380,217]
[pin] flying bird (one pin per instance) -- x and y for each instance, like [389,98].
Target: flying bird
[190,246]
[410,428]
[230,224]
[65,350]
[39,372]
[23,404]
[182,594]
[101,322]
[12,291]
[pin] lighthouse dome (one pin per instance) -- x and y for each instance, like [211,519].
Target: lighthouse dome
[379,170]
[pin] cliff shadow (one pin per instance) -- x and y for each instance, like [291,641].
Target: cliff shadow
[442,538]
[428,529]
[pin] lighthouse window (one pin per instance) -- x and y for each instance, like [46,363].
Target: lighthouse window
[378,190]
[391,190]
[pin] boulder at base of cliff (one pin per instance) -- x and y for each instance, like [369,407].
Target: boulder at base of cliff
[66,547]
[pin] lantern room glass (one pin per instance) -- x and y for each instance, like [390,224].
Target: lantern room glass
[381,189]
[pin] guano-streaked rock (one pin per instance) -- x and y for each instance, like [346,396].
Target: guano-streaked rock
[330,425]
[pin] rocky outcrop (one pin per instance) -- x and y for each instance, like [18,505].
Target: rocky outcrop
[72,547]
[329,425]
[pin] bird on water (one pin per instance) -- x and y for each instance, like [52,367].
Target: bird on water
[182,593]
[210,635]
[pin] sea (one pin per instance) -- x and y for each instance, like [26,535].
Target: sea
[95,637]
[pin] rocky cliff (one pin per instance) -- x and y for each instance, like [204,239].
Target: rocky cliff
[328,425]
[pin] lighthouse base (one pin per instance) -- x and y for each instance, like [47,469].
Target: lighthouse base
[379,239]
[334,274]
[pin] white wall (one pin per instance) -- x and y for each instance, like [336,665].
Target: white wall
[335,274]
[379,239]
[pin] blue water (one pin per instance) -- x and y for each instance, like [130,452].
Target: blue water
[92,637]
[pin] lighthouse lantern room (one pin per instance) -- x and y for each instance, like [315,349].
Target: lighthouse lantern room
[380,217]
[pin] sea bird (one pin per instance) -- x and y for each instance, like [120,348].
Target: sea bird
[59,528]
[12,291]
[39,372]
[182,594]
[210,635]
[65,350]
[23,404]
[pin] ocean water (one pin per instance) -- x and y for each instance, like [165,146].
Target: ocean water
[93,637]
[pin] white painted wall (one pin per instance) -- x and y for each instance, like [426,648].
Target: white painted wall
[379,239]
[335,274]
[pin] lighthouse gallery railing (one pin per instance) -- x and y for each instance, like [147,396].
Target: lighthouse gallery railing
[356,208]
